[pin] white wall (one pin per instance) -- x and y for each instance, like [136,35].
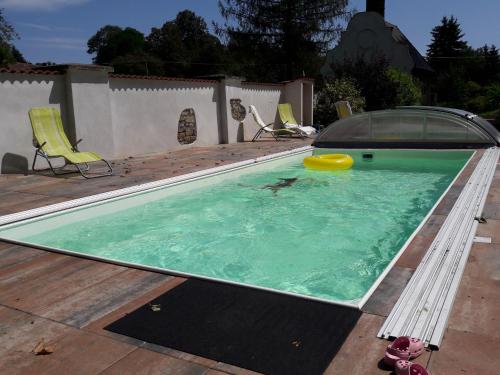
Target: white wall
[89,113]
[265,98]
[294,96]
[119,116]
[307,103]
[19,93]
[146,114]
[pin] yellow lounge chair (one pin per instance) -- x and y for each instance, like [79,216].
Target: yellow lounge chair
[267,128]
[343,109]
[52,142]
[289,122]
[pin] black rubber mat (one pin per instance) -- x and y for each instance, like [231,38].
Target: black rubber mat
[249,328]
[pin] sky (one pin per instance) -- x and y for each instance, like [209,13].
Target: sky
[58,30]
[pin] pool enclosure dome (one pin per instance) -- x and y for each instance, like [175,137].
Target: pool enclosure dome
[410,127]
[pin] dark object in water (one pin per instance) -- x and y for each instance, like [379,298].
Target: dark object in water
[285,182]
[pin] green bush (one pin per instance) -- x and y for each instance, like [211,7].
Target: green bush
[477,104]
[408,89]
[484,100]
[6,56]
[493,95]
[333,91]
[382,86]
[378,91]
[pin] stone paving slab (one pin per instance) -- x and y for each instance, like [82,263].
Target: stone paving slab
[39,294]
[77,352]
[100,299]
[19,333]
[483,267]
[421,242]
[13,201]
[21,271]
[479,312]
[492,211]
[466,353]
[417,249]
[11,255]
[387,293]
[142,361]
[40,202]
[477,305]
[494,194]
[230,369]
[4,245]
[490,229]
[362,352]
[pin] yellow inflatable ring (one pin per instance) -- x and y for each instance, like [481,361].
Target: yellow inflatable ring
[328,162]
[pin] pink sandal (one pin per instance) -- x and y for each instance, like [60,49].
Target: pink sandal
[408,368]
[403,347]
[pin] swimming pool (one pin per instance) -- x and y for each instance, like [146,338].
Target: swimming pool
[271,224]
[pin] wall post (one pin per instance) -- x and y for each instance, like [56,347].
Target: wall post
[89,108]
[230,88]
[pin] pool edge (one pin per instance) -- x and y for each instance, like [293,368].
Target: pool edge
[89,201]
[407,243]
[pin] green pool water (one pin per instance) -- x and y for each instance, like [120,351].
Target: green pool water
[278,225]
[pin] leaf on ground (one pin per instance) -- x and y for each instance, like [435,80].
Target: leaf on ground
[296,343]
[155,308]
[43,348]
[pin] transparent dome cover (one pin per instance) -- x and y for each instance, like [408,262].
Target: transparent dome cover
[410,127]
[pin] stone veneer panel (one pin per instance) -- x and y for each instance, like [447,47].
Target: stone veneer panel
[238,112]
[186,132]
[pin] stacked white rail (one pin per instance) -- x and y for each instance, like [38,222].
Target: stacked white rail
[424,306]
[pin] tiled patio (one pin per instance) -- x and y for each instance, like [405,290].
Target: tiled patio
[68,300]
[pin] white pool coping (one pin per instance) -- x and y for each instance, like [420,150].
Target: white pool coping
[424,307]
[74,204]
[149,186]
[412,236]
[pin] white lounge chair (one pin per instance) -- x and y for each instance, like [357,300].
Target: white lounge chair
[267,128]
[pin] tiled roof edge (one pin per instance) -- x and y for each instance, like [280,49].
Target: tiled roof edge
[159,78]
[30,71]
[280,84]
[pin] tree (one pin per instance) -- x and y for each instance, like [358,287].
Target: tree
[182,47]
[6,57]
[492,63]
[18,56]
[186,47]
[111,42]
[451,57]
[45,63]
[102,44]
[280,39]
[7,32]
[466,78]
[124,49]
[447,46]
[8,53]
